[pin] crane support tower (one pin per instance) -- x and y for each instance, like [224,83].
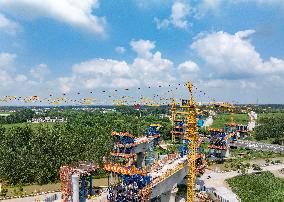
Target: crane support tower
[191,136]
[173,119]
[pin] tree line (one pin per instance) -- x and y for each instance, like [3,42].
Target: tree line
[19,116]
[35,154]
[271,127]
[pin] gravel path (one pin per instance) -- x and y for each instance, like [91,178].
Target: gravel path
[217,181]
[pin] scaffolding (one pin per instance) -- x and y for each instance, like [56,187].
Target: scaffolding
[153,135]
[178,123]
[82,172]
[127,181]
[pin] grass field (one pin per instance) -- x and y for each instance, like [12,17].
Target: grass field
[221,119]
[258,187]
[5,113]
[31,189]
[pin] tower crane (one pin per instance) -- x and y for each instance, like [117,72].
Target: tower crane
[191,136]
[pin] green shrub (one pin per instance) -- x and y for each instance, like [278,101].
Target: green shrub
[258,187]
[4,191]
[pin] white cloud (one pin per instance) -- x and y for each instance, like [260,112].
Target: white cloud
[8,77]
[5,78]
[233,56]
[188,67]
[216,83]
[148,68]
[10,80]
[188,70]
[153,70]
[21,78]
[124,83]
[248,85]
[179,12]
[7,25]
[40,72]
[66,83]
[102,67]
[120,49]
[7,61]
[72,12]
[245,33]
[98,73]
[143,47]
[237,85]
[206,6]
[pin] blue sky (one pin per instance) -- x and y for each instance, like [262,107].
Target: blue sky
[233,50]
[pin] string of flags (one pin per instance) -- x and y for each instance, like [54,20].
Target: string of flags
[161,95]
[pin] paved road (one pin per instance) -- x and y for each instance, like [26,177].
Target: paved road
[217,181]
[259,146]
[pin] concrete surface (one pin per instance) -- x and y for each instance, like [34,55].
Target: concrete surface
[143,147]
[168,183]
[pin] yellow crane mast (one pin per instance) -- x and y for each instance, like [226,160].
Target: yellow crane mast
[173,118]
[231,109]
[191,136]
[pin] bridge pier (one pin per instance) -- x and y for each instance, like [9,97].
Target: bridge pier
[140,159]
[75,188]
[225,153]
[169,196]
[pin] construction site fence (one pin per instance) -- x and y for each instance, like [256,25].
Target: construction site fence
[220,198]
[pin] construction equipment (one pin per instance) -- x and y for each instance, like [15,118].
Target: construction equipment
[173,118]
[230,107]
[178,123]
[192,136]
[184,126]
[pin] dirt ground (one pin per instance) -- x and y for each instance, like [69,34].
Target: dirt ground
[278,173]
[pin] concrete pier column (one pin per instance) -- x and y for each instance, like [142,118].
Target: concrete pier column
[75,188]
[227,154]
[140,159]
[169,196]
[165,197]
[173,194]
